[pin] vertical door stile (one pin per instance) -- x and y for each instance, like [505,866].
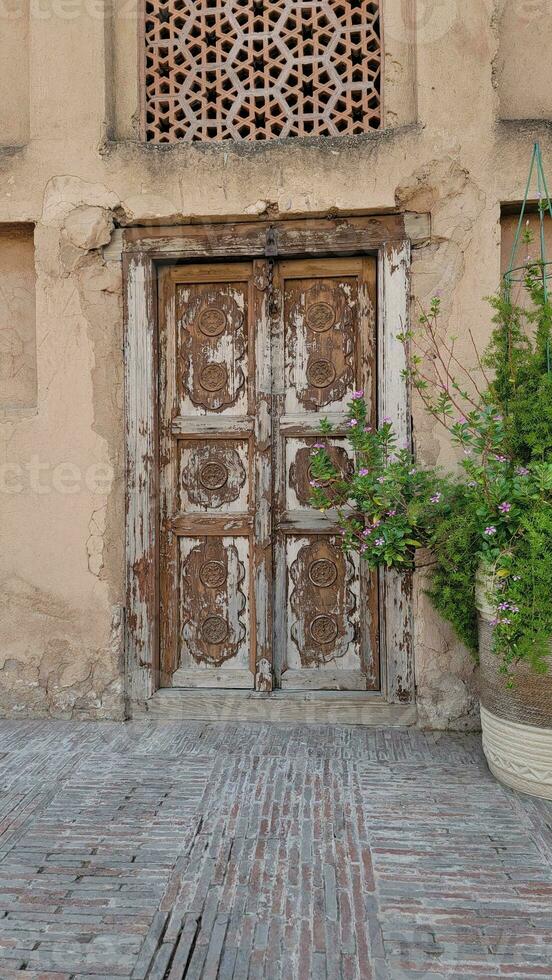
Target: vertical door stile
[168,573]
[396,587]
[262,455]
[276,321]
[142,498]
[368,372]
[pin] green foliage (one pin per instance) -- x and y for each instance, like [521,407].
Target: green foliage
[499,512]
[519,354]
[388,504]
[502,515]
[452,589]
[523,624]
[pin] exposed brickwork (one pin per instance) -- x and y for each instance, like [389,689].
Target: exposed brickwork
[235,851]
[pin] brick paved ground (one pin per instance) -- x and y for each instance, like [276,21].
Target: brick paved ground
[246,851]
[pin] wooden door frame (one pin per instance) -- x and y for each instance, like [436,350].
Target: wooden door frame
[389,238]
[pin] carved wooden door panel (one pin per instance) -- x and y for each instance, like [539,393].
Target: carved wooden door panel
[215,562]
[240,399]
[325,626]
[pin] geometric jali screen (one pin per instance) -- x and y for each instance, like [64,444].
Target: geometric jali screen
[261,69]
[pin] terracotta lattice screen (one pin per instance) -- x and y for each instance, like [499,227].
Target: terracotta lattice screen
[261,69]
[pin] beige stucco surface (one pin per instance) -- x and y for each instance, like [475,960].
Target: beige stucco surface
[523,64]
[81,170]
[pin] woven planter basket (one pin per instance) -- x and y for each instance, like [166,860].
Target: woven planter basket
[516,722]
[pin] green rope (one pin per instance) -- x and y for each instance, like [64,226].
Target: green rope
[544,205]
[520,222]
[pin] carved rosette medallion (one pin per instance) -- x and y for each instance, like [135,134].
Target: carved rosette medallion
[323,573]
[213,475]
[323,629]
[322,603]
[213,574]
[213,604]
[214,630]
[212,321]
[320,317]
[323,335]
[213,377]
[212,345]
[320,373]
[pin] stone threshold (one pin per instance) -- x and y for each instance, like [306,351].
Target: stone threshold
[320,707]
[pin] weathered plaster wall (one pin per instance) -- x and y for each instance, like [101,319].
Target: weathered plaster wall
[445,151]
[14,76]
[60,551]
[523,63]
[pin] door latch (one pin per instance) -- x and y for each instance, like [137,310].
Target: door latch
[271,243]
[271,253]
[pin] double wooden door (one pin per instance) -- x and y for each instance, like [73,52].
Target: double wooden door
[255,590]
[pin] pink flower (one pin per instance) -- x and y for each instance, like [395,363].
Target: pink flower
[358,394]
[380,542]
[391,513]
[313,483]
[386,420]
[368,428]
[318,445]
[489,531]
[505,507]
[351,423]
[436,498]
[462,421]
[363,471]
[504,606]
[381,479]
[522,471]
[367,532]
[501,459]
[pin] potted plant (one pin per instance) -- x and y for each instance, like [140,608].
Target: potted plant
[488,528]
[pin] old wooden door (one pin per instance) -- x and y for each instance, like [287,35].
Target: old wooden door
[255,589]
